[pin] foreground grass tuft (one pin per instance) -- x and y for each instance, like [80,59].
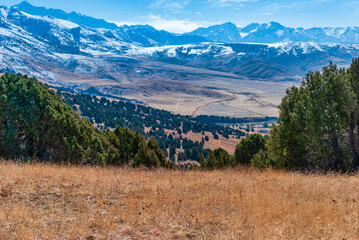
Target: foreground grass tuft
[52,202]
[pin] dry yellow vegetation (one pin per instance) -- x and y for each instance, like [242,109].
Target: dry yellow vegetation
[64,202]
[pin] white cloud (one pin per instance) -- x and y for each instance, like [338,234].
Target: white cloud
[230,3]
[170,4]
[173,25]
[273,8]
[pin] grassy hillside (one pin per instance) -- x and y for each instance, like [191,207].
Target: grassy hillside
[55,202]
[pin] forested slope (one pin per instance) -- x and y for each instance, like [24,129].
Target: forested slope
[36,124]
[168,129]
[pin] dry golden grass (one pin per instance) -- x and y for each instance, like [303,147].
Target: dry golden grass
[53,202]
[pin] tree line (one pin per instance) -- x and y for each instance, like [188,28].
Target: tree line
[233,120]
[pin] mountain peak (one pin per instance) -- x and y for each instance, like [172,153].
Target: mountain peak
[27,7]
[226,32]
[230,24]
[24,3]
[227,25]
[274,32]
[60,14]
[274,25]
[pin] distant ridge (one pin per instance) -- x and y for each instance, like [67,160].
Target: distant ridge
[71,27]
[227,32]
[72,16]
[274,32]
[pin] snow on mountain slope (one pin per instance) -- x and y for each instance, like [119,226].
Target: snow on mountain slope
[63,52]
[59,14]
[143,35]
[274,32]
[132,61]
[295,58]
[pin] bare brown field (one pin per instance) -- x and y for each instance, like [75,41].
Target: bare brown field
[54,202]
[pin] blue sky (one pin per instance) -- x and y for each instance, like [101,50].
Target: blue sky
[186,15]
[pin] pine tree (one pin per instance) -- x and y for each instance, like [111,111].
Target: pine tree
[211,160]
[248,147]
[313,131]
[202,161]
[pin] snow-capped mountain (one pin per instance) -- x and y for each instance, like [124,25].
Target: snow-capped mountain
[144,35]
[227,33]
[132,61]
[33,44]
[274,32]
[256,61]
[72,16]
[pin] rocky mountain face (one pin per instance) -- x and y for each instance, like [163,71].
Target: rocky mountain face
[274,32]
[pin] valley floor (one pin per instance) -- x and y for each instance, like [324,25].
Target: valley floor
[53,202]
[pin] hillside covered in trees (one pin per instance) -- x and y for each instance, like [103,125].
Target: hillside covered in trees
[36,124]
[166,128]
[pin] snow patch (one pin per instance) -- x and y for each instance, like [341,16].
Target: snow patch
[280,33]
[59,22]
[243,35]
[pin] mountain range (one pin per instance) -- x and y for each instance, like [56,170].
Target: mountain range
[220,70]
[226,33]
[275,32]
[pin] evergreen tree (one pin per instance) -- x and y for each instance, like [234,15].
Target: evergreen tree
[222,158]
[316,125]
[248,147]
[202,162]
[34,123]
[353,121]
[146,157]
[211,160]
